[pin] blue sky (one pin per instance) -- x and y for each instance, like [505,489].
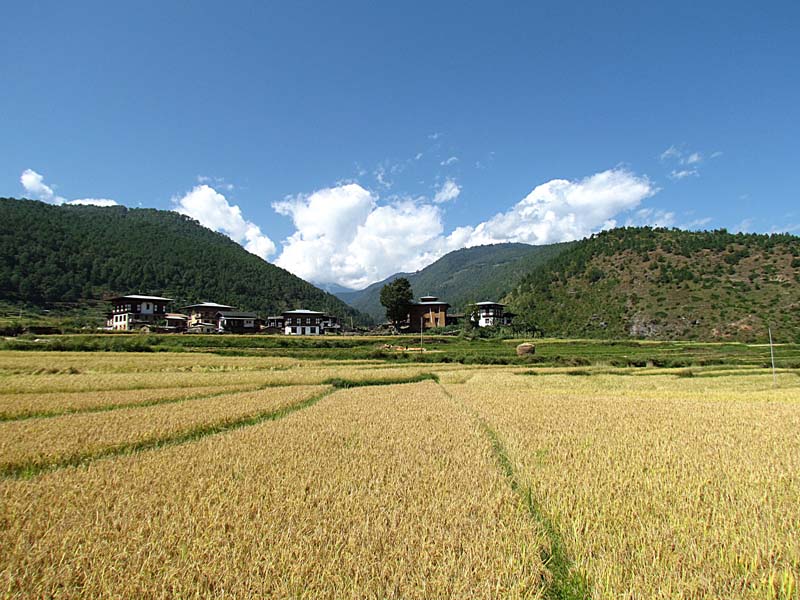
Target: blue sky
[346,141]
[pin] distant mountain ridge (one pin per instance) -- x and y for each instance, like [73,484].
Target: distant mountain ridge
[76,254]
[667,284]
[462,276]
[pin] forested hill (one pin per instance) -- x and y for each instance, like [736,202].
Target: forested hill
[657,283]
[463,276]
[50,255]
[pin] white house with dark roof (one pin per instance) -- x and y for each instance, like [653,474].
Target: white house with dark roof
[231,321]
[135,311]
[492,313]
[303,322]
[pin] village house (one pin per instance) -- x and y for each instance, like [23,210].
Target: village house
[429,312]
[203,316]
[491,314]
[237,322]
[176,322]
[274,324]
[330,324]
[302,322]
[135,311]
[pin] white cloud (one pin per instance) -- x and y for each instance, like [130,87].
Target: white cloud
[670,153]
[693,158]
[685,163]
[213,210]
[562,210]
[216,182]
[34,185]
[683,174]
[418,156]
[696,223]
[380,177]
[682,157]
[655,217]
[94,202]
[449,191]
[343,235]
[449,161]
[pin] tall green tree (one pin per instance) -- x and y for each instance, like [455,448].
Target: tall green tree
[396,297]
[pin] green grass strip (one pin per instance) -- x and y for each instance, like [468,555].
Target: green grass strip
[567,584]
[31,469]
[340,383]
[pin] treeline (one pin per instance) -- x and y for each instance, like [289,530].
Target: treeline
[56,254]
[665,283]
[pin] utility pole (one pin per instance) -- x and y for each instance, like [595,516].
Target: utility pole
[772,356]
[421,329]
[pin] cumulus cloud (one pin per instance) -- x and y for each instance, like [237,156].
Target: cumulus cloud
[35,186]
[212,209]
[449,161]
[94,202]
[561,210]
[343,235]
[449,191]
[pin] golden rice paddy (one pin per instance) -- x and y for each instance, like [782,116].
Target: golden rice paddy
[133,475]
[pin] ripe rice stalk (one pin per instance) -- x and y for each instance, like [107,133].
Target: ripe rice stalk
[662,486]
[19,406]
[28,446]
[374,492]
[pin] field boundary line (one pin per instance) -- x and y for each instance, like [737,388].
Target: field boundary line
[146,387]
[113,407]
[566,584]
[30,469]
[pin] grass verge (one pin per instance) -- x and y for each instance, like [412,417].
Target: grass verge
[566,583]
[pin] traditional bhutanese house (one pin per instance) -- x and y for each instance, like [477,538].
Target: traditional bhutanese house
[302,322]
[274,324]
[237,322]
[176,321]
[203,316]
[427,313]
[492,313]
[135,311]
[330,324]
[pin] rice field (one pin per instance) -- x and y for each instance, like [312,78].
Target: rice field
[134,475]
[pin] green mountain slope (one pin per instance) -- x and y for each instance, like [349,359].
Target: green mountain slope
[63,256]
[463,276]
[667,284]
